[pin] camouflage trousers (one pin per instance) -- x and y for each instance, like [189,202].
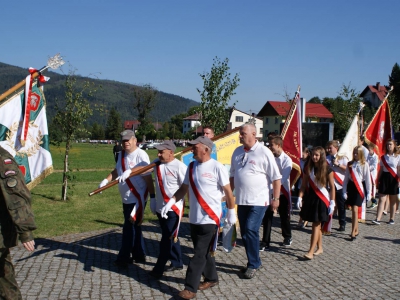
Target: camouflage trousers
[8,285]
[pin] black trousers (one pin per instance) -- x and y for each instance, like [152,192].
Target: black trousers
[201,262]
[341,209]
[284,214]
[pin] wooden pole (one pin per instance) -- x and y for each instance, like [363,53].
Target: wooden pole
[20,84]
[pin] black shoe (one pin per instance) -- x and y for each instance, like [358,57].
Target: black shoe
[120,264]
[139,259]
[342,228]
[287,242]
[172,268]
[263,246]
[155,275]
[353,238]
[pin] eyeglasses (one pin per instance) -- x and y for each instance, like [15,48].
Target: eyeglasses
[244,159]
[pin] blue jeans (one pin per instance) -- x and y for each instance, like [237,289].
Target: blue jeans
[250,218]
[132,238]
[168,249]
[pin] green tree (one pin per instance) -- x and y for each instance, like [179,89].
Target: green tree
[71,114]
[97,132]
[114,125]
[394,98]
[218,88]
[315,100]
[144,102]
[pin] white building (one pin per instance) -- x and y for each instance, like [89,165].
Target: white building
[237,118]
[190,122]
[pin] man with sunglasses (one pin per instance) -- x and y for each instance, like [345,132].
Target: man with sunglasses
[253,169]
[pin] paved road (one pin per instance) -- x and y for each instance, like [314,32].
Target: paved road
[80,267]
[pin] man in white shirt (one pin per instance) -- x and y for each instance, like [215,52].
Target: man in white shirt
[169,174]
[207,181]
[284,163]
[133,192]
[338,165]
[253,168]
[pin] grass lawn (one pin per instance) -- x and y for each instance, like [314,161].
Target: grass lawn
[90,165]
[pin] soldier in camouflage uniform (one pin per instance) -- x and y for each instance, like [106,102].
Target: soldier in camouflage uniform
[16,221]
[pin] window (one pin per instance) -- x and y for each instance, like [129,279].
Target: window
[261,130]
[266,132]
[239,119]
[266,120]
[276,131]
[276,120]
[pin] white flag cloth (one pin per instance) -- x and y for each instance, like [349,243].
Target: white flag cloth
[34,158]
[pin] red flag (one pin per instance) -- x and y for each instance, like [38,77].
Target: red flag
[379,129]
[291,136]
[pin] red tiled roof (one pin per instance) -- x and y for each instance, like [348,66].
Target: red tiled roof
[380,91]
[193,117]
[131,124]
[312,109]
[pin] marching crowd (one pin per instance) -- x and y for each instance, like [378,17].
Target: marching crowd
[260,178]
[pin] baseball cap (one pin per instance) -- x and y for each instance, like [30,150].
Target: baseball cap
[127,134]
[166,145]
[202,140]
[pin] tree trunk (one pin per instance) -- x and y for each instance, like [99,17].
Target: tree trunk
[65,174]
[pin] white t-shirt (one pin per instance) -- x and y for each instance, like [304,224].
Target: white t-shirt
[361,172]
[284,163]
[172,174]
[343,161]
[253,171]
[209,178]
[373,165]
[135,159]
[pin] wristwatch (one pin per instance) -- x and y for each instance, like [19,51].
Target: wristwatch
[275,199]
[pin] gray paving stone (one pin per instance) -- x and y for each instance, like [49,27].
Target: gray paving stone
[79,266]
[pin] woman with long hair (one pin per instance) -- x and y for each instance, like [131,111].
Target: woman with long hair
[388,181]
[356,186]
[319,203]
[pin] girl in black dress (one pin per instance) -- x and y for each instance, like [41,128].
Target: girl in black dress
[388,181]
[318,203]
[356,186]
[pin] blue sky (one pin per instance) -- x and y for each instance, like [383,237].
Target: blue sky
[273,45]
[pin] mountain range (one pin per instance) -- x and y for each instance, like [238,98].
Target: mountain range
[111,94]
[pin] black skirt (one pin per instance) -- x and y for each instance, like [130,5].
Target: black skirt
[313,209]
[388,184]
[353,197]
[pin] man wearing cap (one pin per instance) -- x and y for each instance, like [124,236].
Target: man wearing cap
[207,181]
[133,192]
[253,168]
[169,175]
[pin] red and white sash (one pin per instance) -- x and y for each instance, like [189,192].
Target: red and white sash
[138,210]
[177,207]
[390,169]
[322,192]
[357,181]
[204,205]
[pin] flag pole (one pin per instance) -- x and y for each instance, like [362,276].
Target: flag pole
[53,62]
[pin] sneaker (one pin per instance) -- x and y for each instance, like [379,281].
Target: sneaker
[263,246]
[250,273]
[391,222]
[376,222]
[385,213]
[373,205]
[287,242]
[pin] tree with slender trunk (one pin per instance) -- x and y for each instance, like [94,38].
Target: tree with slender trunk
[218,88]
[71,113]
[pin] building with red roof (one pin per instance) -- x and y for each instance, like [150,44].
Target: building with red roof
[374,94]
[274,114]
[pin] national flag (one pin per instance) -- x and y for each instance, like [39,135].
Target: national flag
[379,129]
[350,140]
[291,136]
[34,157]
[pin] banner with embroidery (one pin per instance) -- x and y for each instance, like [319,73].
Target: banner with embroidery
[34,158]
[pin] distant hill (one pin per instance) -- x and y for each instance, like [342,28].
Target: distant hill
[113,94]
